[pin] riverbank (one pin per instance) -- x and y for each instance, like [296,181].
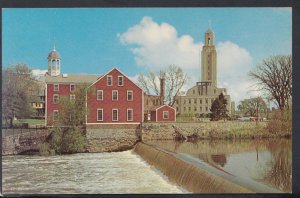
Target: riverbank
[207,130]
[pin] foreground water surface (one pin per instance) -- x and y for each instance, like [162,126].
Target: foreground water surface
[268,161]
[122,172]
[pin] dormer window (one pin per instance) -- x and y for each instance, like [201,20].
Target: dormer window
[109,80]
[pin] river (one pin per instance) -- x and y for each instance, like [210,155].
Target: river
[86,173]
[268,161]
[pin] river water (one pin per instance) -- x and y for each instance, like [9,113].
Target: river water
[122,172]
[267,161]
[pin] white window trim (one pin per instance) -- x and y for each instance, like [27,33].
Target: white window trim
[71,97]
[112,95]
[100,90]
[54,114]
[112,115]
[57,87]
[71,86]
[109,76]
[122,81]
[131,95]
[164,114]
[131,114]
[98,116]
[54,97]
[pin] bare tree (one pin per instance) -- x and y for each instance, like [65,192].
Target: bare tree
[274,75]
[175,79]
[253,106]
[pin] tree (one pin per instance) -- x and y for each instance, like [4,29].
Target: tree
[17,87]
[68,134]
[219,108]
[175,79]
[274,75]
[253,106]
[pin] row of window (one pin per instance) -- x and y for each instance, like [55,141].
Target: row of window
[56,87]
[199,92]
[195,101]
[115,114]
[109,80]
[56,98]
[115,95]
[195,108]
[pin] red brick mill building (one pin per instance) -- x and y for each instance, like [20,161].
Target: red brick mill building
[111,98]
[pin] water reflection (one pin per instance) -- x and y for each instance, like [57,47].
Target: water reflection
[266,161]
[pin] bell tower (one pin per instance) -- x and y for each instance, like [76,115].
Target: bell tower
[54,62]
[209,58]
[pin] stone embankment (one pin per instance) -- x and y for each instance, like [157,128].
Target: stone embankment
[17,141]
[107,138]
[205,130]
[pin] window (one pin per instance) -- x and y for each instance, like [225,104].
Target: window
[195,108]
[189,108]
[184,109]
[130,96]
[99,94]
[165,114]
[206,101]
[72,87]
[206,108]
[55,99]
[189,101]
[200,108]
[56,87]
[72,97]
[195,101]
[99,114]
[200,101]
[129,114]
[109,80]
[120,81]
[115,115]
[114,95]
[184,101]
[55,115]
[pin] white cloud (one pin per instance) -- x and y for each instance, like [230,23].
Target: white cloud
[156,46]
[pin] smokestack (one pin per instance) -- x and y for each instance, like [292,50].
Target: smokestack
[162,88]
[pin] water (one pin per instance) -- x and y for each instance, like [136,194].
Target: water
[122,172]
[265,161]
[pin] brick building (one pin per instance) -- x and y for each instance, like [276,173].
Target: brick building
[164,113]
[114,99]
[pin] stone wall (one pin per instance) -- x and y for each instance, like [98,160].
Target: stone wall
[167,131]
[107,138]
[16,141]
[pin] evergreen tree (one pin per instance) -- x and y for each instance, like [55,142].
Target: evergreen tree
[218,108]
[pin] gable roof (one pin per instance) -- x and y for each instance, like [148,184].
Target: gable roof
[72,78]
[164,106]
[119,72]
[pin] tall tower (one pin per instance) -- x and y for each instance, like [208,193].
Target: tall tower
[54,63]
[209,59]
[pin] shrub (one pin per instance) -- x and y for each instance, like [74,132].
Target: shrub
[44,149]
[281,122]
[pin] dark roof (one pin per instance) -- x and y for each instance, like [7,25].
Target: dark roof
[53,55]
[72,78]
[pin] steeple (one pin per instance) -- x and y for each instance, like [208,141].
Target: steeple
[54,62]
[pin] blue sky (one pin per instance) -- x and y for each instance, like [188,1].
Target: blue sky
[96,39]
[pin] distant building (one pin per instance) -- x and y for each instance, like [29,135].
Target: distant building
[164,113]
[199,98]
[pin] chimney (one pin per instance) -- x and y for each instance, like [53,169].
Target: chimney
[162,88]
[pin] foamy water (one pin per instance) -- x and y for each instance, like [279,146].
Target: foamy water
[122,172]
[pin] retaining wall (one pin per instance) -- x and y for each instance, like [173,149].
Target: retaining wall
[106,138]
[16,141]
[206,130]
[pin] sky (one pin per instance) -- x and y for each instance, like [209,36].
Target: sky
[139,40]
